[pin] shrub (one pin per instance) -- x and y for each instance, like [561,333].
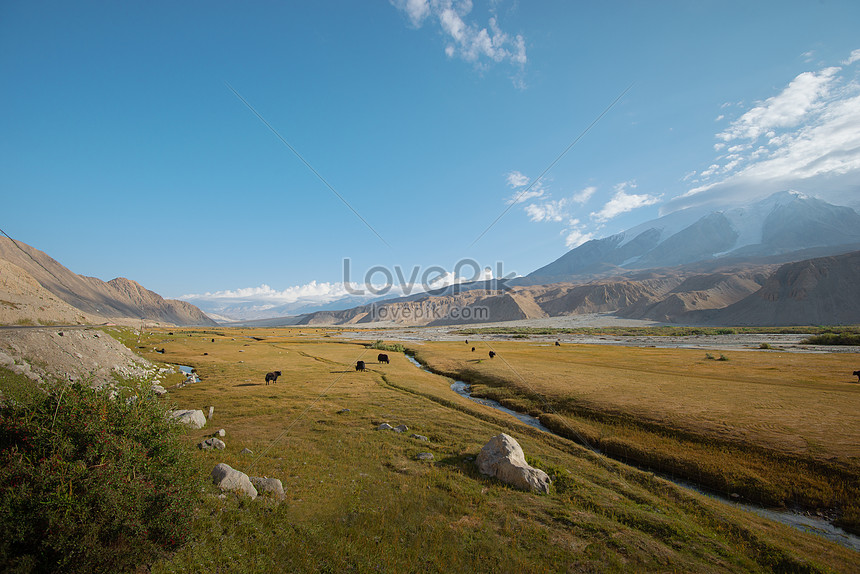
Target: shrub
[844,338]
[395,348]
[88,483]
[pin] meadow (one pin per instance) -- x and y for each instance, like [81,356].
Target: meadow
[358,499]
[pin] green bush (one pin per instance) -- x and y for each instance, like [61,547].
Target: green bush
[395,348]
[89,483]
[843,338]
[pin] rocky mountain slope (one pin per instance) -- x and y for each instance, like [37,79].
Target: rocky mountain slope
[784,223]
[819,291]
[32,273]
[822,291]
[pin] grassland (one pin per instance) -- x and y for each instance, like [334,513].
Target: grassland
[359,500]
[775,428]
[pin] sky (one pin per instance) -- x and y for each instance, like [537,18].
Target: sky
[254,151]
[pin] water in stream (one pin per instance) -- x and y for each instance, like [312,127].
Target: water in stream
[797,520]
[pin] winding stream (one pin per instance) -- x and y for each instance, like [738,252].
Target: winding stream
[796,520]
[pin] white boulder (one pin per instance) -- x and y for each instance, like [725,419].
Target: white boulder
[226,478]
[504,459]
[271,486]
[193,418]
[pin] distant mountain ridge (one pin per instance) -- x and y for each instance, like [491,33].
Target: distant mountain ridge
[117,298]
[782,223]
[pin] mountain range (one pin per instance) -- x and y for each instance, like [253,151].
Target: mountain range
[785,260]
[35,288]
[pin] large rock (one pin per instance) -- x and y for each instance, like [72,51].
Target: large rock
[271,486]
[193,418]
[226,478]
[504,459]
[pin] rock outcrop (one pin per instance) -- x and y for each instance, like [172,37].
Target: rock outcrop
[193,418]
[503,458]
[227,478]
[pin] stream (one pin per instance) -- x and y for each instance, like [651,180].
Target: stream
[796,520]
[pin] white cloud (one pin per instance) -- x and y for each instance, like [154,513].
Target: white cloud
[416,10]
[479,45]
[548,211]
[623,202]
[787,109]
[806,138]
[317,291]
[517,179]
[576,235]
[584,195]
[855,55]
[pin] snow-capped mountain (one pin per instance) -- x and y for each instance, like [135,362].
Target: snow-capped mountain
[782,223]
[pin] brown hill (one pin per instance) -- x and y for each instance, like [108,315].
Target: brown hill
[822,291]
[94,298]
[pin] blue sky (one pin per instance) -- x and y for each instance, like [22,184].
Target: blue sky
[124,152]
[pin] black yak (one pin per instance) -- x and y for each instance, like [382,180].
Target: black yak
[492,354]
[273,377]
[359,366]
[858,375]
[382,358]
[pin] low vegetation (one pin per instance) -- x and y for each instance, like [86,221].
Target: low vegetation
[361,500]
[771,428]
[843,338]
[89,482]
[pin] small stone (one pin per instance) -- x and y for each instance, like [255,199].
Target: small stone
[401,428]
[211,410]
[246,451]
[385,426]
[419,437]
[212,443]
[221,433]
[425,456]
[343,411]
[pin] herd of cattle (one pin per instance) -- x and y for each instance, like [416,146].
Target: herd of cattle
[383,358]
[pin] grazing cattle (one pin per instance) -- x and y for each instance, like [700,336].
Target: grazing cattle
[473,349]
[160,351]
[557,344]
[213,340]
[492,354]
[467,341]
[858,375]
[359,366]
[382,358]
[273,377]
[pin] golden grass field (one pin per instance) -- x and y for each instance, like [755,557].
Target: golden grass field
[359,500]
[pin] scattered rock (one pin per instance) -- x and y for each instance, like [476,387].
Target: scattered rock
[226,478]
[385,426]
[192,418]
[343,411]
[211,410]
[212,443]
[270,486]
[504,459]
[419,437]
[246,451]
[425,456]
[401,428]
[158,390]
